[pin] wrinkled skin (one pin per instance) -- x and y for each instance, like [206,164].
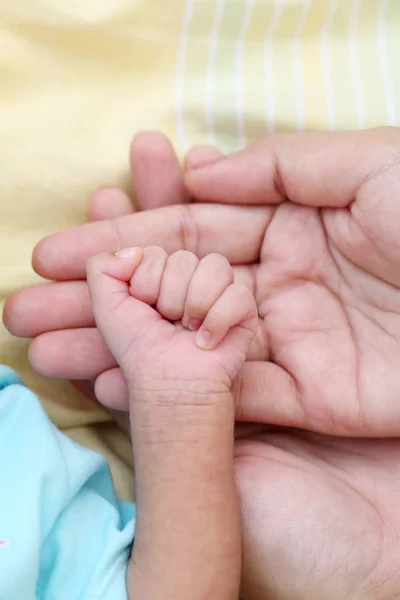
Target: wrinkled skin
[320,517]
[317,240]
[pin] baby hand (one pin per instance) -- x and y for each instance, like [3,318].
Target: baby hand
[172,322]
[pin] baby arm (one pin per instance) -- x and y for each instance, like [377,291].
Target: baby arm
[180,329]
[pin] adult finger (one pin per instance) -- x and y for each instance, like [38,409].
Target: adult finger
[266,393]
[234,231]
[156,172]
[120,415]
[315,169]
[47,307]
[199,156]
[157,179]
[111,390]
[70,354]
[109,203]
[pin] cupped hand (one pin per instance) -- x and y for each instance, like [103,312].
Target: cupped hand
[327,282]
[320,517]
[312,228]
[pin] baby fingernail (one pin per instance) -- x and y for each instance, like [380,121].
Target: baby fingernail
[126,252]
[203,339]
[194,324]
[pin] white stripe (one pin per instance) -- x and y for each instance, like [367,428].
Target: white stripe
[249,5]
[354,63]
[210,117]
[387,80]
[269,64]
[326,66]
[180,74]
[298,71]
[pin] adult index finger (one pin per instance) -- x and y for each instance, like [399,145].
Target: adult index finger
[234,231]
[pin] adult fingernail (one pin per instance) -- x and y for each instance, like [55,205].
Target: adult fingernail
[203,339]
[127,252]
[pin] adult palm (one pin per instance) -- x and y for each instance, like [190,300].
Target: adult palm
[312,226]
[326,278]
[320,517]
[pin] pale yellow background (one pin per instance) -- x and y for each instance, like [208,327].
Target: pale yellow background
[78,78]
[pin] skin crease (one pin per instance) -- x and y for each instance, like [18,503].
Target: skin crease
[319,512]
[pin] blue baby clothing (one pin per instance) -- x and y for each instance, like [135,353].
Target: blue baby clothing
[63,533]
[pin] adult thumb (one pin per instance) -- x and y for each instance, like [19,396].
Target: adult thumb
[311,169]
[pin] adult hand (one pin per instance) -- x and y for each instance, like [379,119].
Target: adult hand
[320,517]
[313,229]
[327,285]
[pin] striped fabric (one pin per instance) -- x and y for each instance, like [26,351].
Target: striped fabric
[250,67]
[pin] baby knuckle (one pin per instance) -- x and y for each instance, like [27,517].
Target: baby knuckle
[184,259]
[219,263]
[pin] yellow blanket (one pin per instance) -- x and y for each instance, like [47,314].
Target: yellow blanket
[79,77]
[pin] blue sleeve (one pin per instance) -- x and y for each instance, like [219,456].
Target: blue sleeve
[63,533]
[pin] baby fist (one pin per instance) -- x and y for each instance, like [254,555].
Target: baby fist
[172,322]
